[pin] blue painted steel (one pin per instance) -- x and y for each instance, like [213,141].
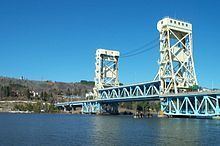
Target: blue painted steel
[127,93]
[192,104]
[91,107]
[136,90]
[197,104]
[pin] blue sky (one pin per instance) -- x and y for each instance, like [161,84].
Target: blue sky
[56,39]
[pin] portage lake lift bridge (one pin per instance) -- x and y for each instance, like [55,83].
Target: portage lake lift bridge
[176,74]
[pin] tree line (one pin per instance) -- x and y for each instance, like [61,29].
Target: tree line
[36,107]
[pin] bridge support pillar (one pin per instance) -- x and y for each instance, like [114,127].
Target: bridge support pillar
[115,108]
[64,108]
[91,108]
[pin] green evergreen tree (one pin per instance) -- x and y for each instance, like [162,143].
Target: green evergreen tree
[68,92]
[28,95]
[42,94]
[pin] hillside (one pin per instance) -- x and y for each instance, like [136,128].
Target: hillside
[21,89]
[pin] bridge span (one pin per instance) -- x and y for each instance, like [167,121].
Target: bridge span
[172,85]
[127,93]
[192,104]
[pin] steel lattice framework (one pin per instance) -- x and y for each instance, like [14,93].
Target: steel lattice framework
[176,74]
[135,90]
[106,72]
[176,65]
[194,104]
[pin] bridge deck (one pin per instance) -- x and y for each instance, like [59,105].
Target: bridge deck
[182,104]
[191,94]
[111,100]
[126,93]
[138,98]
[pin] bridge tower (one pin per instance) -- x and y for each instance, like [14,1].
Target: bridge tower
[106,72]
[176,65]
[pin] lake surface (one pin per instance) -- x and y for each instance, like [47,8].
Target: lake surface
[92,130]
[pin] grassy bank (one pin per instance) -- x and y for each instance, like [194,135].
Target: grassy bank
[36,107]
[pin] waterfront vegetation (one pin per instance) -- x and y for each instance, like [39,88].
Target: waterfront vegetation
[43,94]
[38,107]
[46,91]
[142,106]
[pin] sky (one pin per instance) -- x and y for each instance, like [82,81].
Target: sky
[57,39]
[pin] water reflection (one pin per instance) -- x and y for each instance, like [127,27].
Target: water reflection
[154,131]
[108,130]
[177,131]
[42,129]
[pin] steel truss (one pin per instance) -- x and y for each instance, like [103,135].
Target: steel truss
[176,74]
[197,105]
[111,97]
[137,90]
[176,65]
[106,72]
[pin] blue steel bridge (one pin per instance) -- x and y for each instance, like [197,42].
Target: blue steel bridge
[183,104]
[171,86]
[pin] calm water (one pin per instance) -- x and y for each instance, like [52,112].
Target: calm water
[60,129]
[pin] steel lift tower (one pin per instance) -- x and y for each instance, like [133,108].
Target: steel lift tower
[176,74]
[176,65]
[106,72]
